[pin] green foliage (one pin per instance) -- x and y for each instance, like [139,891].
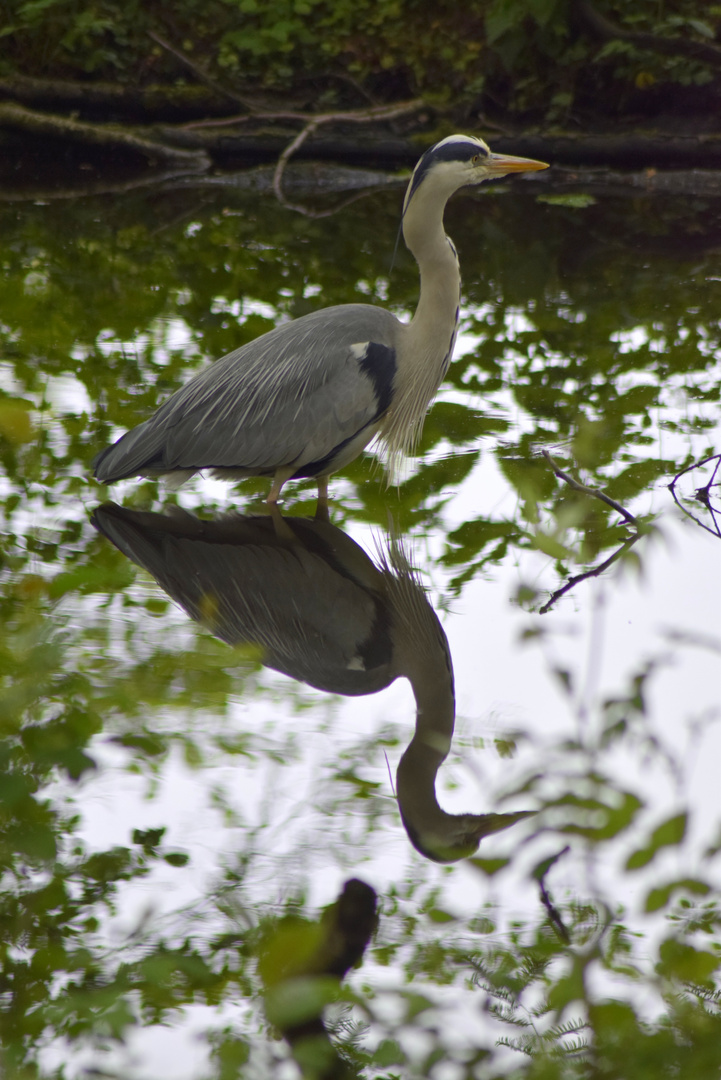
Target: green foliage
[580,343]
[529,54]
[669,833]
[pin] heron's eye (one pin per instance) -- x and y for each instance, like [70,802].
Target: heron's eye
[475,159]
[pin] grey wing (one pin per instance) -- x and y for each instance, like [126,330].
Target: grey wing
[293,396]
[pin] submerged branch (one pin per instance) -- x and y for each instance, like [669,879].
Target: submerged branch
[594,492]
[84,131]
[703,494]
[596,571]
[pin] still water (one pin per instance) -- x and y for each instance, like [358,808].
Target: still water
[213,720]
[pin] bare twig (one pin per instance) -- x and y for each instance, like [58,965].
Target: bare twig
[695,465]
[241,118]
[492,125]
[390,775]
[314,121]
[103,186]
[595,572]
[307,212]
[196,69]
[594,492]
[702,493]
[553,912]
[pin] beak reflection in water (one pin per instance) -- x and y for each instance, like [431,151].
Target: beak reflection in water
[320,610]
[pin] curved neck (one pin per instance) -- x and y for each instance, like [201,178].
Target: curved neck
[437,312]
[422,655]
[432,685]
[424,659]
[427,341]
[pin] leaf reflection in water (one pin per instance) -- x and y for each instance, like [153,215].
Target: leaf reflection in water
[317,608]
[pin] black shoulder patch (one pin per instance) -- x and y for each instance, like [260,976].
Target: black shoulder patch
[379,364]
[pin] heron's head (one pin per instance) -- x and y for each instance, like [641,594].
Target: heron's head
[457,836]
[459,161]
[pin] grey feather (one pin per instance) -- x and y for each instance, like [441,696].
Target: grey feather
[303,377]
[306,398]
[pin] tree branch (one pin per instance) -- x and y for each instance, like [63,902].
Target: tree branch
[603,28]
[41,123]
[314,121]
[625,546]
[595,572]
[702,493]
[594,492]
[196,69]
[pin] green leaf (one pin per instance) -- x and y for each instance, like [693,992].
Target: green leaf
[437,915]
[489,867]
[389,1052]
[671,832]
[702,28]
[91,579]
[576,200]
[288,948]
[36,841]
[177,858]
[298,1000]
[684,963]
[148,838]
[659,897]
[570,988]
[15,421]
[416,1004]
[549,545]
[617,817]
[506,748]
[613,1020]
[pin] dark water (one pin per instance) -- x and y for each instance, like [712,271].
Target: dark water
[181,796]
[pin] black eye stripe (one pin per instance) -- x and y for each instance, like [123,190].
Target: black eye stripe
[452,151]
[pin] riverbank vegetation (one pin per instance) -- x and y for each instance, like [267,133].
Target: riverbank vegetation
[199,82]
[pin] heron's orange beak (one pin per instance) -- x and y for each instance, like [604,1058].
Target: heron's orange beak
[500,164]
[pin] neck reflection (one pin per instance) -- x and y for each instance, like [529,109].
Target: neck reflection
[318,609]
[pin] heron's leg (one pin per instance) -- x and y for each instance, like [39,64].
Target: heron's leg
[321,510]
[281,527]
[280,477]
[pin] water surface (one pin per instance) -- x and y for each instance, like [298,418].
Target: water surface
[175,785]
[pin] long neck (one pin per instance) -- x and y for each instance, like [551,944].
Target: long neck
[434,323]
[437,834]
[416,775]
[427,342]
[421,654]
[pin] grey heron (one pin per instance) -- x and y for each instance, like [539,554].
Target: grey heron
[306,398]
[317,608]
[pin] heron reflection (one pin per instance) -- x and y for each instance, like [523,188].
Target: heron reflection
[320,610]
